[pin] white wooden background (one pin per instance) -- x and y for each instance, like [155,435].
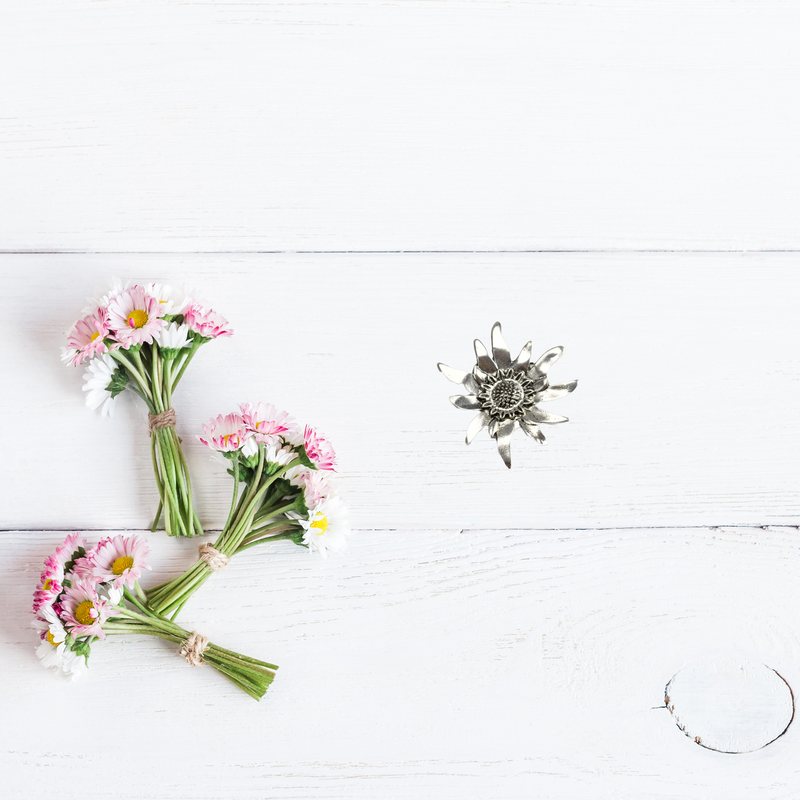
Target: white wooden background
[490,633]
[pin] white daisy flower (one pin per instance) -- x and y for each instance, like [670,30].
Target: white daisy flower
[52,649]
[173,336]
[118,286]
[68,355]
[293,437]
[74,665]
[97,379]
[114,595]
[326,528]
[249,448]
[171,300]
[281,456]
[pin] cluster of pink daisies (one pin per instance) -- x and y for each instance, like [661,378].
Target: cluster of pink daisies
[134,315]
[129,316]
[309,455]
[143,338]
[78,592]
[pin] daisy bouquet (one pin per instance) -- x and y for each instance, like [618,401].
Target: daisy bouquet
[282,489]
[143,338]
[85,595]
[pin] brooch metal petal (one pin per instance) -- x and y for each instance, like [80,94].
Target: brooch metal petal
[507,393]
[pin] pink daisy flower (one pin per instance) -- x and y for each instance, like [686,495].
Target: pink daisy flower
[83,611]
[206,322]
[120,560]
[86,338]
[53,572]
[67,549]
[52,577]
[316,485]
[225,433]
[51,583]
[83,568]
[45,595]
[318,449]
[134,316]
[265,421]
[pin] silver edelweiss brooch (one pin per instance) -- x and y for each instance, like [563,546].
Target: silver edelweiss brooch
[507,393]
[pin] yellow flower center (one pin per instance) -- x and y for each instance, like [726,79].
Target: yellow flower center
[137,318]
[94,336]
[321,524]
[83,613]
[51,639]
[46,584]
[121,564]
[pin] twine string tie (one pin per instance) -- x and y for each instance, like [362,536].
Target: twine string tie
[215,559]
[166,419]
[193,648]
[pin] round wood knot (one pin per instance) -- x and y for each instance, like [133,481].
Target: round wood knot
[730,705]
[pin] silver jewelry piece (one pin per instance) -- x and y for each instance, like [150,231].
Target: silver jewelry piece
[507,393]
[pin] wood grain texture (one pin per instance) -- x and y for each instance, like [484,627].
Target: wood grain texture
[686,412]
[433,663]
[448,125]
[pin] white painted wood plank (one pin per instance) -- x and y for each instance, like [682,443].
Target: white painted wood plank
[263,125]
[442,663]
[686,411]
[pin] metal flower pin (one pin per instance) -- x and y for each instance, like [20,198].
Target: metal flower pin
[507,393]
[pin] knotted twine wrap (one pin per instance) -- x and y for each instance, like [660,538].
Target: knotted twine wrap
[214,558]
[166,419]
[193,648]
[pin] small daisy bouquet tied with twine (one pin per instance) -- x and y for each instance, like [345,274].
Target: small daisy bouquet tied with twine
[85,595]
[282,489]
[143,338]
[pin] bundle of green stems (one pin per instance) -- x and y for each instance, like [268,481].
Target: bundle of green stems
[261,513]
[154,373]
[134,616]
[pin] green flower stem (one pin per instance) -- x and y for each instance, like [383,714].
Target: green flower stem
[157,591]
[159,482]
[184,589]
[139,592]
[137,358]
[195,521]
[189,516]
[167,380]
[134,372]
[241,529]
[169,481]
[197,343]
[173,448]
[172,458]
[247,544]
[235,497]
[170,597]
[178,610]
[150,374]
[275,512]
[278,526]
[157,516]
[248,495]
[155,373]
[251,675]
